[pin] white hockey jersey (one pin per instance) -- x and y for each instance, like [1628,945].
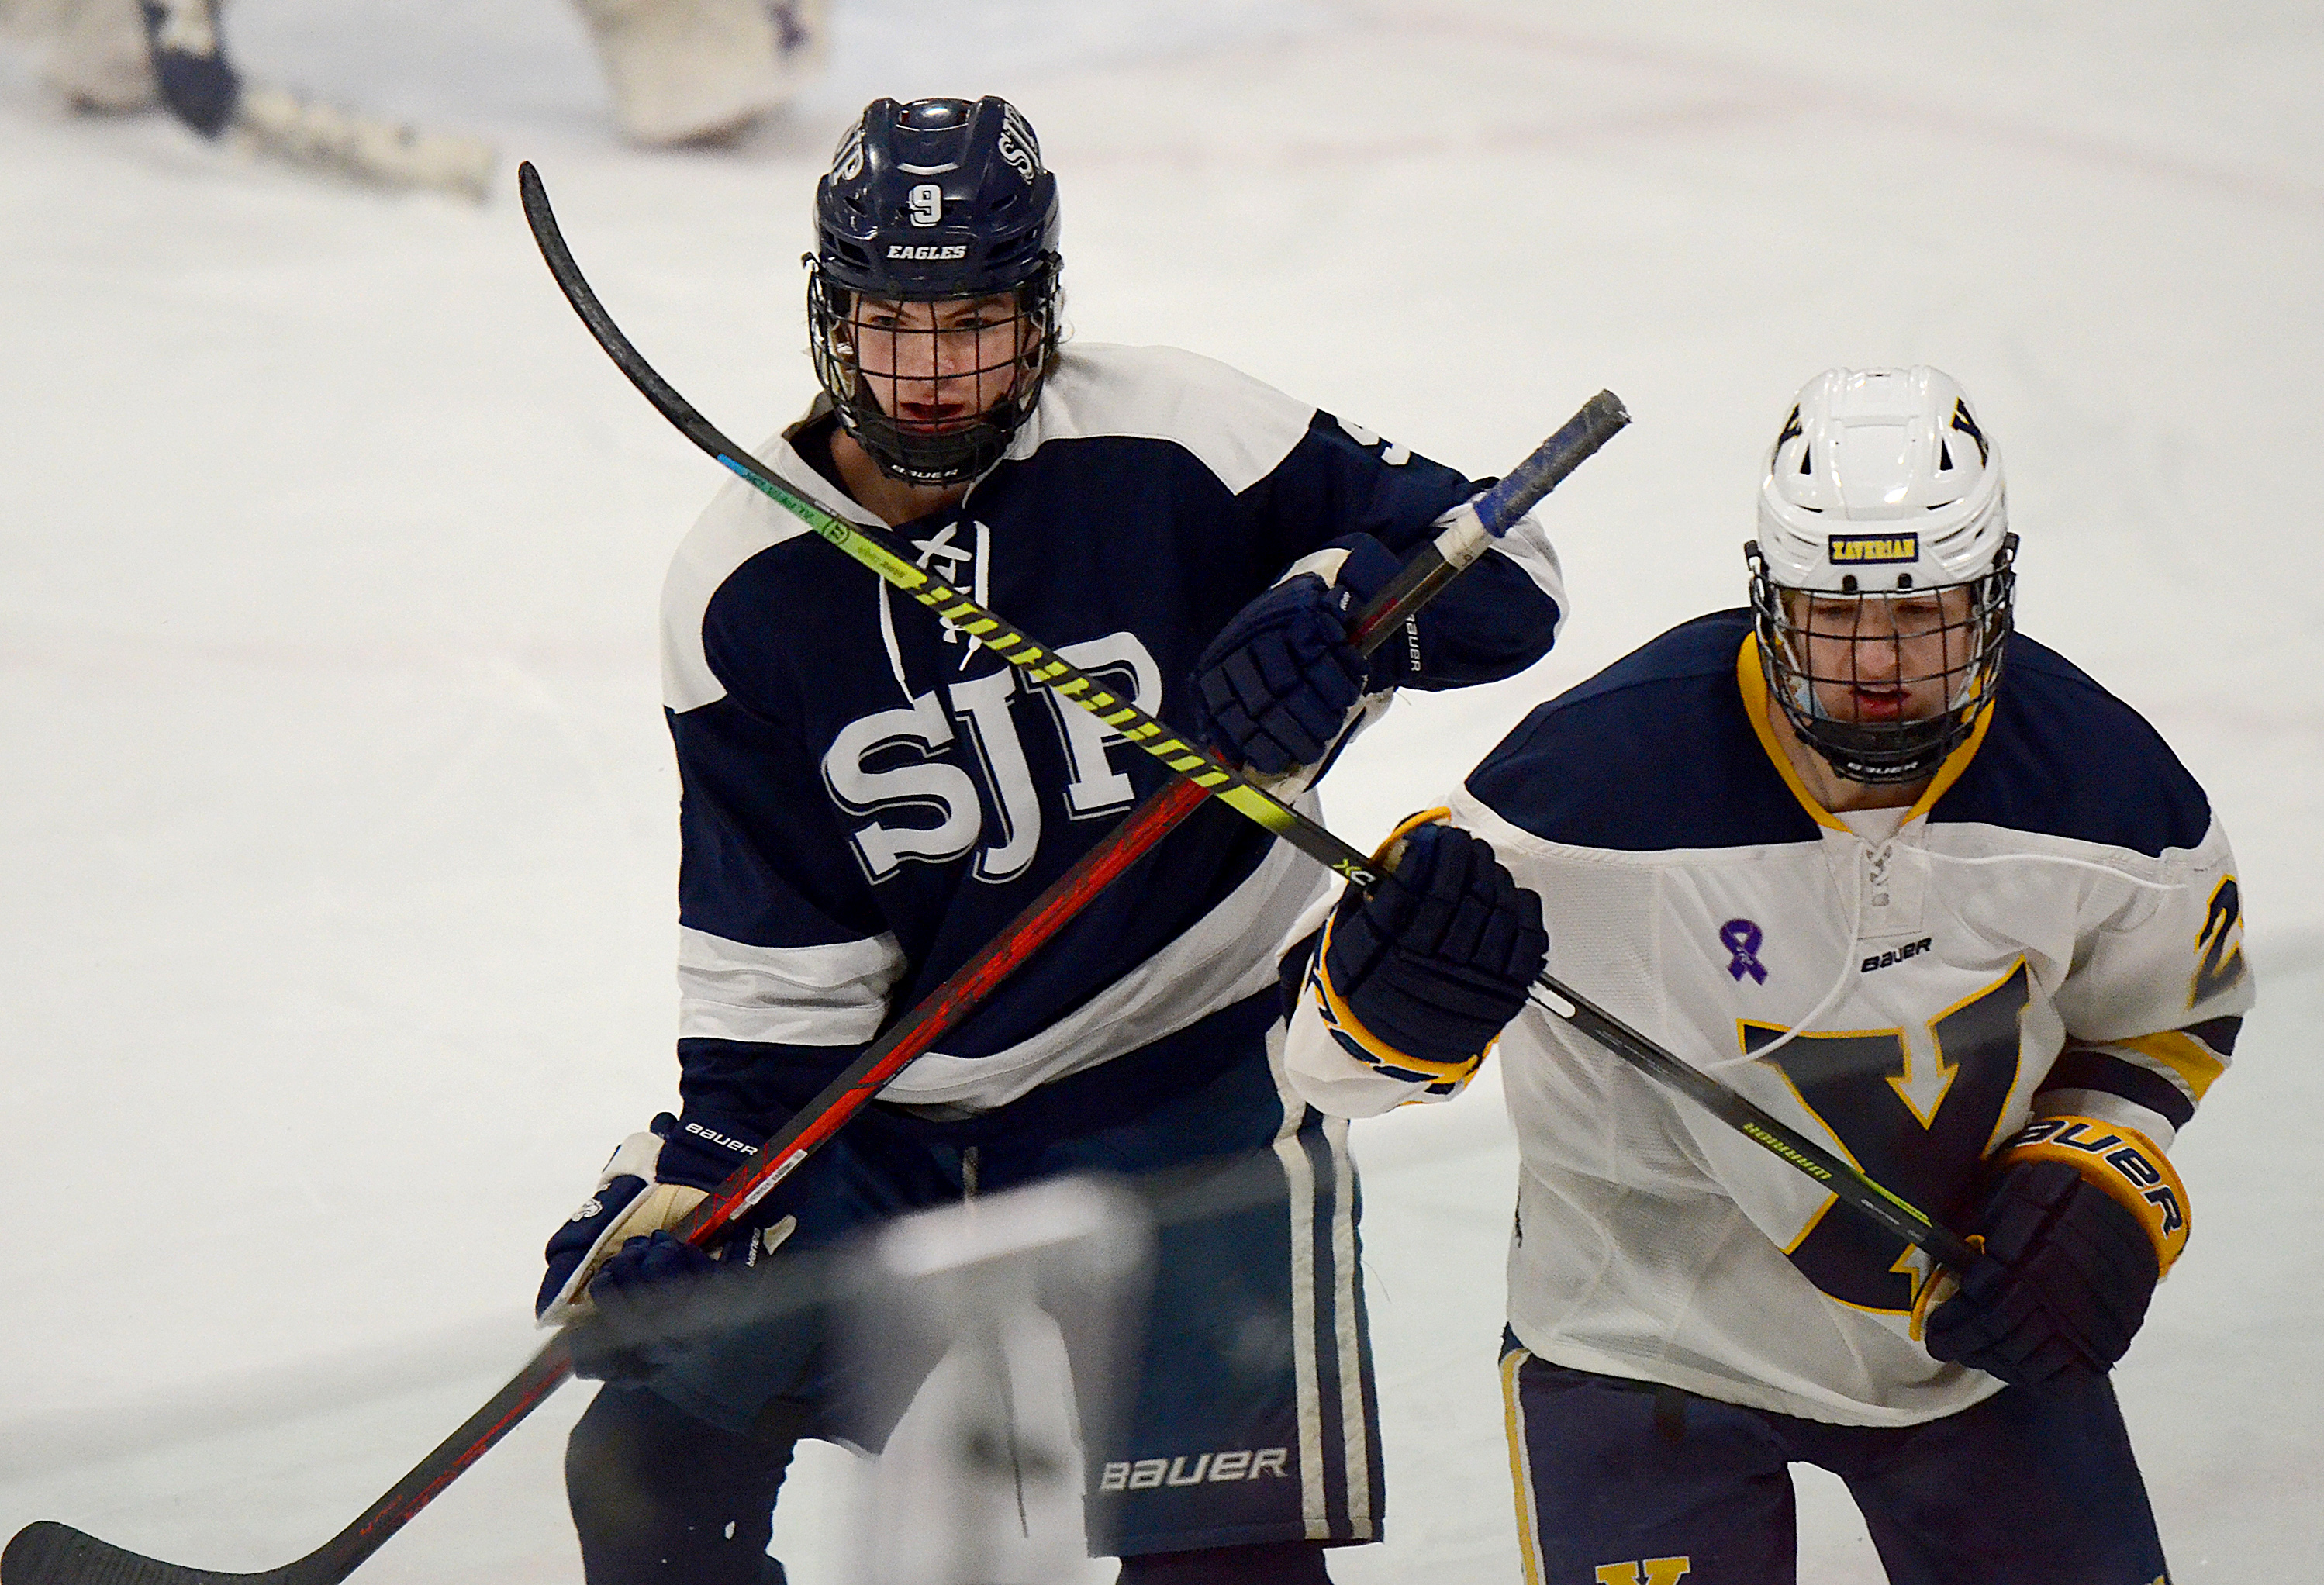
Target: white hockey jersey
[2054,927]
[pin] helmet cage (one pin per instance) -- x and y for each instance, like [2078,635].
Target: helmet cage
[1004,391]
[1796,633]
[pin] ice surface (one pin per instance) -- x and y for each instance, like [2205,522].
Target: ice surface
[335,821]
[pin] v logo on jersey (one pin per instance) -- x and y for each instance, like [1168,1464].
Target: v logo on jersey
[1921,1128]
[2222,948]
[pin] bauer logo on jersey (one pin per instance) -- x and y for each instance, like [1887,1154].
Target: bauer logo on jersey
[1859,550]
[905,250]
[1195,1468]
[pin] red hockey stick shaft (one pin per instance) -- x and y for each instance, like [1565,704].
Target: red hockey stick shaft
[1459,543]
[48,1554]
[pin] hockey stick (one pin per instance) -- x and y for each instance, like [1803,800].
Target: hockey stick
[1460,543]
[1845,1180]
[48,1554]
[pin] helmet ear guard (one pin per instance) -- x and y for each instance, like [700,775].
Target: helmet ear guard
[1882,487]
[933,202]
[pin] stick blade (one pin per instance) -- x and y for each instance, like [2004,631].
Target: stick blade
[48,1554]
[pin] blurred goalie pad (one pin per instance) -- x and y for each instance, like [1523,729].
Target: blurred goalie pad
[688,70]
[1009,1326]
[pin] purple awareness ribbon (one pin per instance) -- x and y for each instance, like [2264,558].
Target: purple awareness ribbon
[1742,937]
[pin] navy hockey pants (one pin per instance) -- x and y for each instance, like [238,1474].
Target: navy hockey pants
[1251,1419]
[1634,1484]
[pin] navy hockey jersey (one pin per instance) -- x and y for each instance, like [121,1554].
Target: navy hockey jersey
[869,797]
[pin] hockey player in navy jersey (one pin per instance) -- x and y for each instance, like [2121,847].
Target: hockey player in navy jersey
[1913,884]
[870,796]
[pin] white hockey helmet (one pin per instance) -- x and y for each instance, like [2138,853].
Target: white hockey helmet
[1882,485]
[1881,479]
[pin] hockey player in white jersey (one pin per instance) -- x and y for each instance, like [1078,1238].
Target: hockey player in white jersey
[1913,884]
[870,795]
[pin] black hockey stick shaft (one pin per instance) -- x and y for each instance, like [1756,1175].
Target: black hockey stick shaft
[875,549]
[47,1553]
[1456,547]
[1848,1183]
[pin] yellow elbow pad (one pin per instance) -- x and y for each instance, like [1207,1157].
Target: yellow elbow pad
[2127,1164]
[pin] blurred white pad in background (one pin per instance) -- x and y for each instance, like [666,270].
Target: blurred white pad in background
[689,70]
[1022,1294]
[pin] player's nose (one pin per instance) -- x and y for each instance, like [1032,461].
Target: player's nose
[1877,656]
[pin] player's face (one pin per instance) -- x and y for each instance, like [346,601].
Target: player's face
[937,367]
[1875,659]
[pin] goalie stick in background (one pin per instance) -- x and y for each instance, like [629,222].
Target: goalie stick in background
[870,794]
[678,72]
[1981,930]
[117,56]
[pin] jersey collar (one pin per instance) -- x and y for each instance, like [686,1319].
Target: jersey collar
[1752,679]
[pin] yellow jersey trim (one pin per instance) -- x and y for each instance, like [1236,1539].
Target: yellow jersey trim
[2195,1063]
[1752,679]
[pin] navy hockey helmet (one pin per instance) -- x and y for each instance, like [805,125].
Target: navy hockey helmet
[935,202]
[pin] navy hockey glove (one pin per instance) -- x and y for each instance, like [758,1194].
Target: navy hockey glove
[2082,1221]
[652,1182]
[1274,690]
[1438,956]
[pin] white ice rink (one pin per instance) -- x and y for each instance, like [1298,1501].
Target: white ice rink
[336,837]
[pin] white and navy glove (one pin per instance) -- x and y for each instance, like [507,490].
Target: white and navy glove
[620,1236]
[1275,690]
[2080,1221]
[1418,976]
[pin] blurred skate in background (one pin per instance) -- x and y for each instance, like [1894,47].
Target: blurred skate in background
[118,56]
[704,71]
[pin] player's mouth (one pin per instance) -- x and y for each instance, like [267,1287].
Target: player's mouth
[936,421]
[1879,704]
